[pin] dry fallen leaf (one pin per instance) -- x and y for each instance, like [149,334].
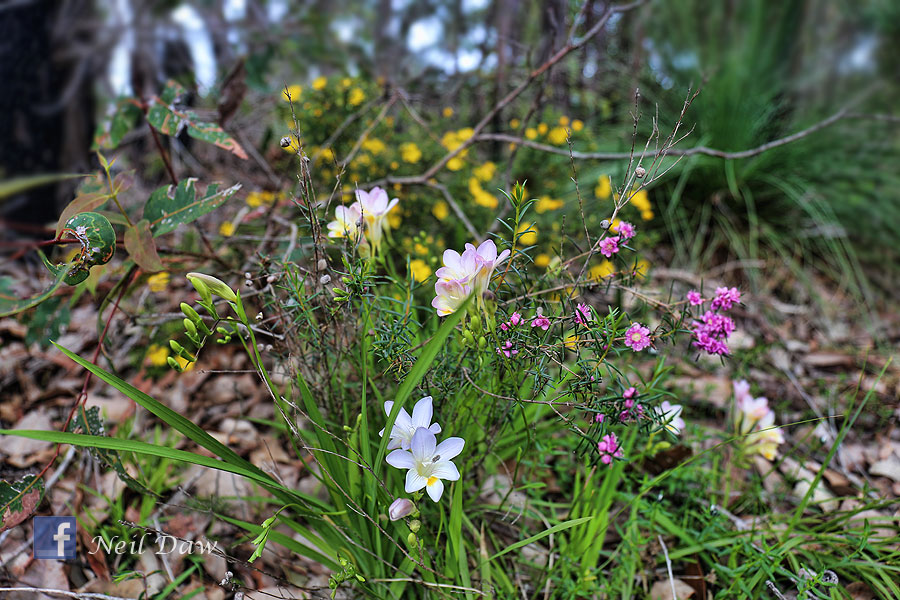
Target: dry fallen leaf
[662,590]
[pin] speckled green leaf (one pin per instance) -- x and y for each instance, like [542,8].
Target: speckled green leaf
[98,243]
[89,422]
[19,499]
[121,119]
[170,206]
[165,116]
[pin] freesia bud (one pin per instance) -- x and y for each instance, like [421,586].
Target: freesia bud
[213,285]
[401,507]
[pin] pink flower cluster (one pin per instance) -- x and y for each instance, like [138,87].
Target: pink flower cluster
[609,246]
[514,320]
[632,409]
[540,321]
[609,448]
[712,330]
[507,350]
[583,314]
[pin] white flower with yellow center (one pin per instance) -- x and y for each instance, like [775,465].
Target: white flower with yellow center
[428,462]
[671,416]
[449,296]
[375,206]
[405,426]
[347,220]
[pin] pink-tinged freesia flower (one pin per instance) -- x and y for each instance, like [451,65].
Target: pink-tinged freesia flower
[450,295]
[487,258]
[694,298]
[609,246]
[625,230]
[766,439]
[671,417]
[725,298]
[583,314]
[637,337]
[609,448]
[459,267]
[405,426]
[754,417]
[428,462]
[401,507]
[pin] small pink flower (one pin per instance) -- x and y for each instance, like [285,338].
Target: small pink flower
[629,393]
[609,246]
[507,349]
[583,314]
[637,337]
[694,298]
[725,298]
[542,322]
[515,319]
[625,230]
[609,448]
[599,418]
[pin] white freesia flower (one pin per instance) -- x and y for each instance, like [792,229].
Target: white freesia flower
[428,462]
[671,415]
[766,440]
[347,221]
[450,295]
[405,426]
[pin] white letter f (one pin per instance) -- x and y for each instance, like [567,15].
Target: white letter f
[61,538]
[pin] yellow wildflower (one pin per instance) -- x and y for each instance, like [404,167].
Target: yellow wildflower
[598,272]
[389,121]
[374,145]
[319,83]
[543,128]
[465,133]
[317,112]
[558,135]
[184,363]
[157,355]
[528,234]
[577,125]
[480,196]
[440,210]
[447,112]
[397,187]
[357,96]
[394,217]
[485,172]
[564,120]
[571,342]
[604,187]
[419,269]
[455,163]
[646,215]
[394,165]
[546,203]
[158,283]
[514,123]
[292,94]
[410,153]
[227,229]
[346,82]
[327,155]
[531,133]
[542,260]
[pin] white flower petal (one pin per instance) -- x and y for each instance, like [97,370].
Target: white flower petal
[422,413]
[435,428]
[435,490]
[444,469]
[400,459]
[422,445]
[450,448]
[415,482]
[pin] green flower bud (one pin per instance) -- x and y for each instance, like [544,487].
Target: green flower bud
[482,342]
[189,327]
[173,363]
[415,525]
[213,285]
[411,539]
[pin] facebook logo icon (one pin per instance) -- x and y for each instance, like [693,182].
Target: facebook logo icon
[54,537]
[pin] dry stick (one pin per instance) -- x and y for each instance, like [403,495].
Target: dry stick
[701,150]
[668,566]
[64,593]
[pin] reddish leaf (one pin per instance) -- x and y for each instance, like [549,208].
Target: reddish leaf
[139,244]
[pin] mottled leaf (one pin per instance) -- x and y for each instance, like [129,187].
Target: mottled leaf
[121,119]
[98,243]
[18,500]
[89,422]
[170,206]
[139,244]
[165,116]
[85,203]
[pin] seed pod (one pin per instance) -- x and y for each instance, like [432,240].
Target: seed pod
[322,264]
[285,142]
[325,279]
[604,224]
[640,172]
